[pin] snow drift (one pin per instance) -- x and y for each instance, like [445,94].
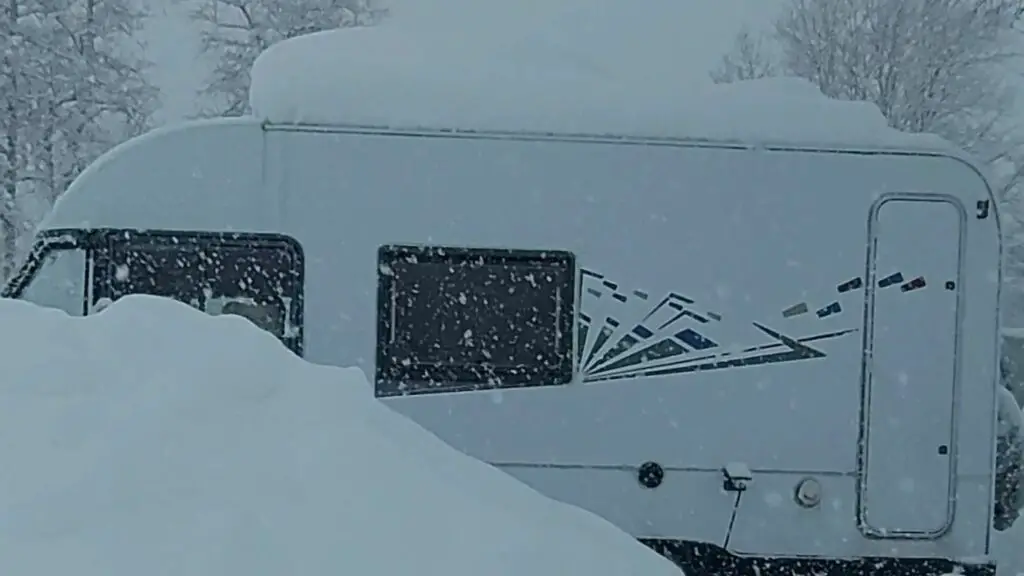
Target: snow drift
[153,439]
[563,66]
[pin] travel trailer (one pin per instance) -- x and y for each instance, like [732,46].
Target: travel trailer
[758,355]
[735,354]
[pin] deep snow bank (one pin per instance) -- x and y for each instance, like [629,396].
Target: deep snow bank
[152,439]
[567,66]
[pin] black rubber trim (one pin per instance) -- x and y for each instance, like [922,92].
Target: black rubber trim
[703,559]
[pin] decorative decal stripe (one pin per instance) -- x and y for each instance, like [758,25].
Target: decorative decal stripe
[891,280]
[794,350]
[836,307]
[669,337]
[833,308]
[854,284]
[915,284]
[795,310]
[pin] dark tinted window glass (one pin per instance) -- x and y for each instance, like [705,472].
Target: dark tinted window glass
[458,319]
[500,315]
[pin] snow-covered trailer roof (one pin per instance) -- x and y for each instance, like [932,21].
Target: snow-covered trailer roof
[603,75]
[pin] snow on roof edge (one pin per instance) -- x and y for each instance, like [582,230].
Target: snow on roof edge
[929,146]
[399,87]
[86,176]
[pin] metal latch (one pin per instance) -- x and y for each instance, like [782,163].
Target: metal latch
[737,476]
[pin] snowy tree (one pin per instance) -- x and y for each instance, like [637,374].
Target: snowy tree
[937,66]
[10,158]
[235,32]
[929,65]
[96,90]
[20,31]
[749,60]
[72,85]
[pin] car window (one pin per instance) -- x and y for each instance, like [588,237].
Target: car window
[59,282]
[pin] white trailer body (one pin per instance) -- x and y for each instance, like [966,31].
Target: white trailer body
[781,356]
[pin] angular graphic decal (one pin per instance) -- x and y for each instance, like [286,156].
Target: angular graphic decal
[795,310]
[915,284]
[628,334]
[833,308]
[890,280]
[854,284]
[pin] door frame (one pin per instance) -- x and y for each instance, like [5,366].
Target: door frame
[871,275]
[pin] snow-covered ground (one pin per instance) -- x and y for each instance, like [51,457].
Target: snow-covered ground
[154,439]
[1008,550]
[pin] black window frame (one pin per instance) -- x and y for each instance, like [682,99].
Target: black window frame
[396,377]
[46,243]
[100,245]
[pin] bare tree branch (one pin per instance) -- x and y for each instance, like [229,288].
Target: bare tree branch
[748,60]
[234,32]
[71,87]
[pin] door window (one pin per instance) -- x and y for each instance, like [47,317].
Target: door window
[59,281]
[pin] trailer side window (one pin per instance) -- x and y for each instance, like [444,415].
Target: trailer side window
[256,276]
[456,319]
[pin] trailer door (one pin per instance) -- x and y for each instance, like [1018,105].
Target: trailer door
[910,367]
